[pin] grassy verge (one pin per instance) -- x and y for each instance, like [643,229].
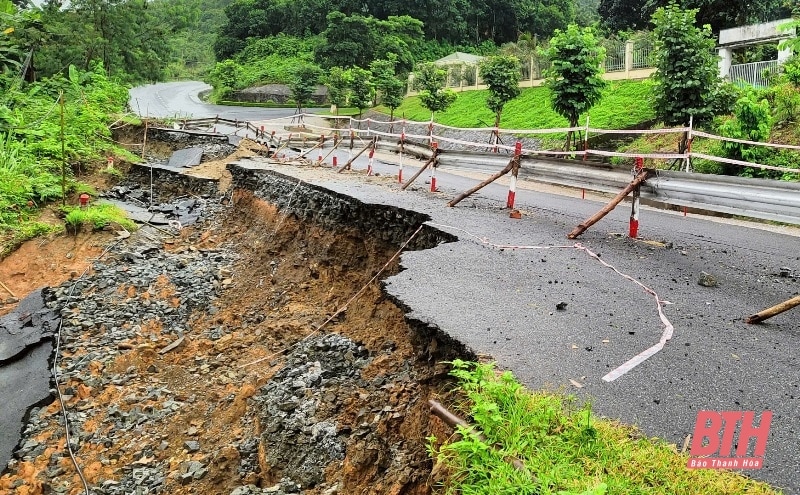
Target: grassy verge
[12,238]
[624,104]
[566,449]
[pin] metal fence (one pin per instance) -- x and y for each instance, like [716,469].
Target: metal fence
[615,57]
[753,73]
[642,54]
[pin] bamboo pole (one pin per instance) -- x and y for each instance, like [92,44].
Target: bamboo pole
[7,289]
[580,229]
[774,310]
[346,166]
[452,421]
[514,162]
[422,169]
[63,154]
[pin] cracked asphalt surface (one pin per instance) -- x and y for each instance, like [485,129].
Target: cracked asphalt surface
[502,303]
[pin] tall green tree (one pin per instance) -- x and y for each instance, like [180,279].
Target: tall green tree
[501,73]
[338,83]
[304,83]
[362,88]
[687,73]
[719,14]
[575,76]
[390,90]
[430,81]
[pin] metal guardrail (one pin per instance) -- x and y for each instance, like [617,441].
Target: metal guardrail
[754,198]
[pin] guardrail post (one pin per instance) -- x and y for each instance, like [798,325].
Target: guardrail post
[580,229]
[434,164]
[432,175]
[321,145]
[586,140]
[402,144]
[512,187]
[689,144]
[633,230]
[371,157]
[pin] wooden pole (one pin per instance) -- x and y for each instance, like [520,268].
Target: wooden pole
[580,229]
[775,310]
[514,162]
[452,421]
[63,154]
[144,141]
[422,169]
[346,166]
[7,289]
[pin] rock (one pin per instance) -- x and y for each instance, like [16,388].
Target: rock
[191,446]
[707,280]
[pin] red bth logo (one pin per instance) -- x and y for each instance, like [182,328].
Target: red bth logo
[715,433]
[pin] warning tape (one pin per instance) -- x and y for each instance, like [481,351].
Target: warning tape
[669,130]
[744,141]
[743,163]
[660,303]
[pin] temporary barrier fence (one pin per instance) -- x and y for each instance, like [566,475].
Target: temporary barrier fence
[765,199]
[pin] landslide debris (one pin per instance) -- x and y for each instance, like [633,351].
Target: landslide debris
[195,363]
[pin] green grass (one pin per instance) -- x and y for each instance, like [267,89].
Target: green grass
[624,104]
[564,447]
[12,238]
[97,216]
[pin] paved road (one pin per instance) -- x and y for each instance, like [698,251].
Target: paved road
[503,303]
[181,100]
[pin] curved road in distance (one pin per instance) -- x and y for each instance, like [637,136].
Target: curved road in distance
[180,100]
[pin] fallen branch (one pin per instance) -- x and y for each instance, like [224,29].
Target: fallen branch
[774,310]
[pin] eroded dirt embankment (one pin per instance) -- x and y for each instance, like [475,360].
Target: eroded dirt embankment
[256,397]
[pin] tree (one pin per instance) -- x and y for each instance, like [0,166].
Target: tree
[620,15]
[304,83]
[338,83]
[575,74]
[501,74]
[686,74]
[361,88]
[389,87]
[429,80]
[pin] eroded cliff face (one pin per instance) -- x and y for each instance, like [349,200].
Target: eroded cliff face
[254,352]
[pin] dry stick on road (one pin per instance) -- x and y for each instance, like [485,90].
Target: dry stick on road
[636,182]
[7,289]
[512,164]
[452,421]
[775,310]
[430,161]
[346,166]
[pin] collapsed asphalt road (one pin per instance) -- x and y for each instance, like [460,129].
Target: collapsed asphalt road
[26,345]
[505,303]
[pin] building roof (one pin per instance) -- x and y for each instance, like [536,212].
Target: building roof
[460,57]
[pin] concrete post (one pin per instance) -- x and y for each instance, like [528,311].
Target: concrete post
[628,58]
[784,55]
[725,60]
